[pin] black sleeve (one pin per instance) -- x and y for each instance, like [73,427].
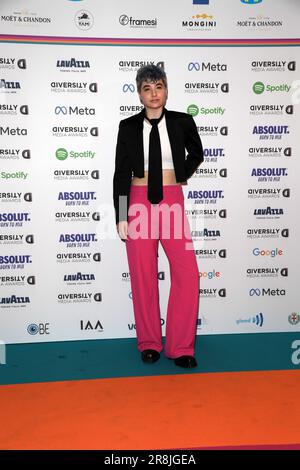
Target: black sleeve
[193,146]
[122,177]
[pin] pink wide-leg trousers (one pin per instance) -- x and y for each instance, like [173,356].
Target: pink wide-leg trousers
[165,222]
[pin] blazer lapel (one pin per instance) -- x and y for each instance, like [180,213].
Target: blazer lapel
[171,128]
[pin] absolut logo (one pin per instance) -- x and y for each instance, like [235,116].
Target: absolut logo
[211,196]
[14,261]
[77,197]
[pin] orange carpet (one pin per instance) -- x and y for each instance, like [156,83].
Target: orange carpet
[160,412]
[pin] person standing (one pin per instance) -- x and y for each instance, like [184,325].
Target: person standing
[157,151]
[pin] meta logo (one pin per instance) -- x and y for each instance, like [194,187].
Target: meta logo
[13,131]
[272,253]
[76,110]
[201,67]
[38,328]
[128,87]
[91,326]
[269,292]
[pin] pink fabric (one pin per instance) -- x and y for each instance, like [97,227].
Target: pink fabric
[174,234]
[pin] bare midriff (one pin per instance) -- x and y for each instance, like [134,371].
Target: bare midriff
[168,179]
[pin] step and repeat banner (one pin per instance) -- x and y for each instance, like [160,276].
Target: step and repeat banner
[67,77]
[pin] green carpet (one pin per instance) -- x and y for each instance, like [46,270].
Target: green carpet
[93,359]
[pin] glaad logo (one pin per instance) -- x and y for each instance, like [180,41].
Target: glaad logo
[257,320]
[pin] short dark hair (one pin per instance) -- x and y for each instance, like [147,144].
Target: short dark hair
[150,73]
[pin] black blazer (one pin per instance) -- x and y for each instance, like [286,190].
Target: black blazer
[183,136]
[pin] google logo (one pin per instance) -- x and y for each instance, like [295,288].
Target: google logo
[210,274]
[272,253]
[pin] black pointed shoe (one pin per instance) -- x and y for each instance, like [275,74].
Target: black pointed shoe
[186,361]
[150,356]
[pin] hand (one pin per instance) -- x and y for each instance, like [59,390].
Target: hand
[122,228]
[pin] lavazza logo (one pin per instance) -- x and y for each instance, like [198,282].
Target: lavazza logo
[9,86]
[73,65]
[131,22]
[11,63]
